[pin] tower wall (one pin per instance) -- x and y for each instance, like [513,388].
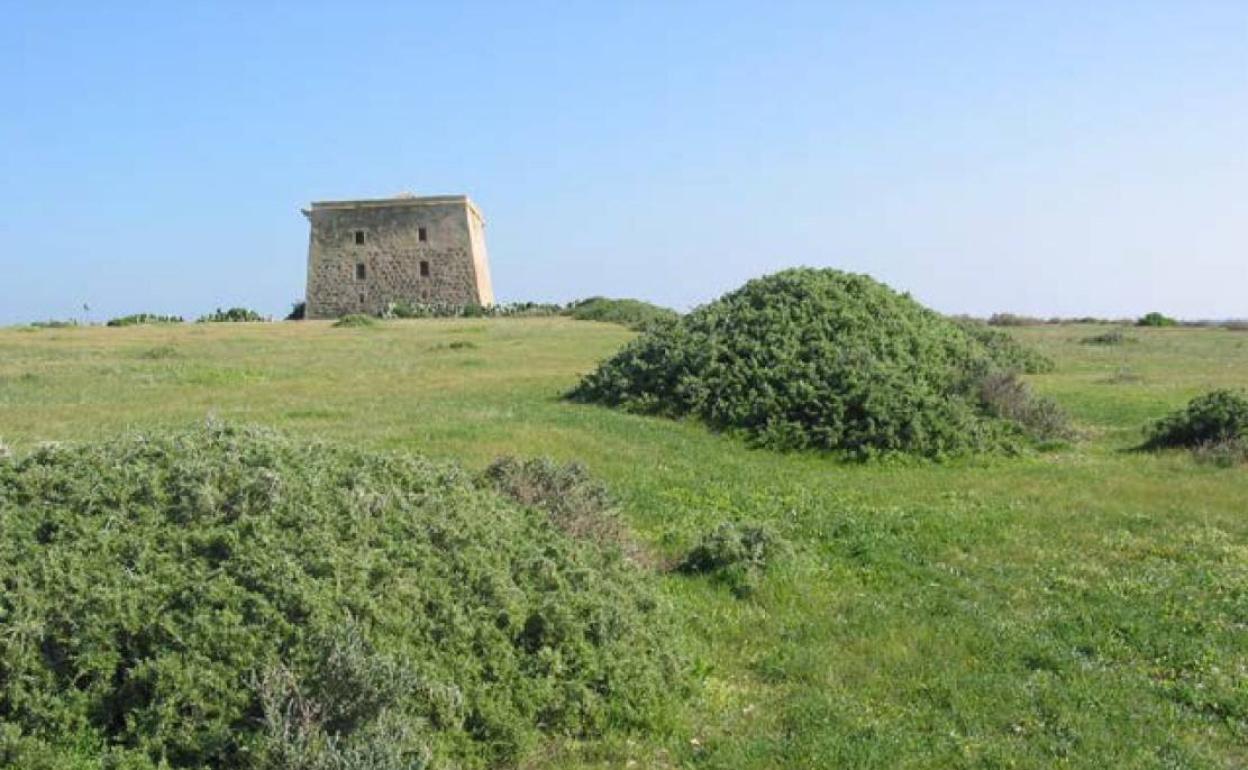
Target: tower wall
[393,263]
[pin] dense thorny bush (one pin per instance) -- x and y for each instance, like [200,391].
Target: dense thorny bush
[1216,417]
[815,359]
[1156,319]
[633,313]
[137,319]
[227,598]
[736,554]
[233,315]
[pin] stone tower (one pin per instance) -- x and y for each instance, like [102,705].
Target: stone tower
[365,254]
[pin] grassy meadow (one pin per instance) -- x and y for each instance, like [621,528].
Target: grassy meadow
[1081,607]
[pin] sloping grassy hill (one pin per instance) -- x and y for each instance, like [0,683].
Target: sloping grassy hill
[1082,608]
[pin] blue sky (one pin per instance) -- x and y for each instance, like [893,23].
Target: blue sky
[1048,158]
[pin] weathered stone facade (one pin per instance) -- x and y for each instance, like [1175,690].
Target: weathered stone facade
[365,254]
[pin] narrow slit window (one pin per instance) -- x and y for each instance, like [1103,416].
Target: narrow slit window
[422,234]
[359,237]
[424,269]
[361,271]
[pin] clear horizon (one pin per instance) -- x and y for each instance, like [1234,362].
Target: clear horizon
[1062,160]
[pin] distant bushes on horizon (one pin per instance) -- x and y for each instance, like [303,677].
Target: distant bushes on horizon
[1156,319]
[633,313]
[141,319]
[233,315]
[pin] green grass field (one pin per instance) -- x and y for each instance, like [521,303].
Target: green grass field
[1085,607]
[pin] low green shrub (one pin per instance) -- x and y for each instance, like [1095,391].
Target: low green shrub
[1111,337]
[229,598]
[233,315]
[633,313]
[1156,319]
[816,359]
[298,311]
[735,554]
[355,320]
[1212,418]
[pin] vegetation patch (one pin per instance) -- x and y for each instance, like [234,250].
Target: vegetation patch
[1156,319]
[229,598]
[816,359]
[1006,352]
[1219,417]
[355,320]
[140,319]
[233,315]
[633,313]
[575,502]
[1111,337]
[159,353]
[1005,395]
[450,310]
[735,554]
[1013,319]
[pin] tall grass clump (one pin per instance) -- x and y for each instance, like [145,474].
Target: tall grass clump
[633,313]
[815,359]
[355,321]
[139,319]
[229,598]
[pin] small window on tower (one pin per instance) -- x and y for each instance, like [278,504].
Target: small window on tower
[359,237]
[422,234]
[361,271]
[424,269]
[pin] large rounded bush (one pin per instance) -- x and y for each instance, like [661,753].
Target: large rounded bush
[818,359]
[228,598]
[1214,417]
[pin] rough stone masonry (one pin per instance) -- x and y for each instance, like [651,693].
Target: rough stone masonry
[364,255]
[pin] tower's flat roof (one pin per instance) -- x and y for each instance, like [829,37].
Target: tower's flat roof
[399,200]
